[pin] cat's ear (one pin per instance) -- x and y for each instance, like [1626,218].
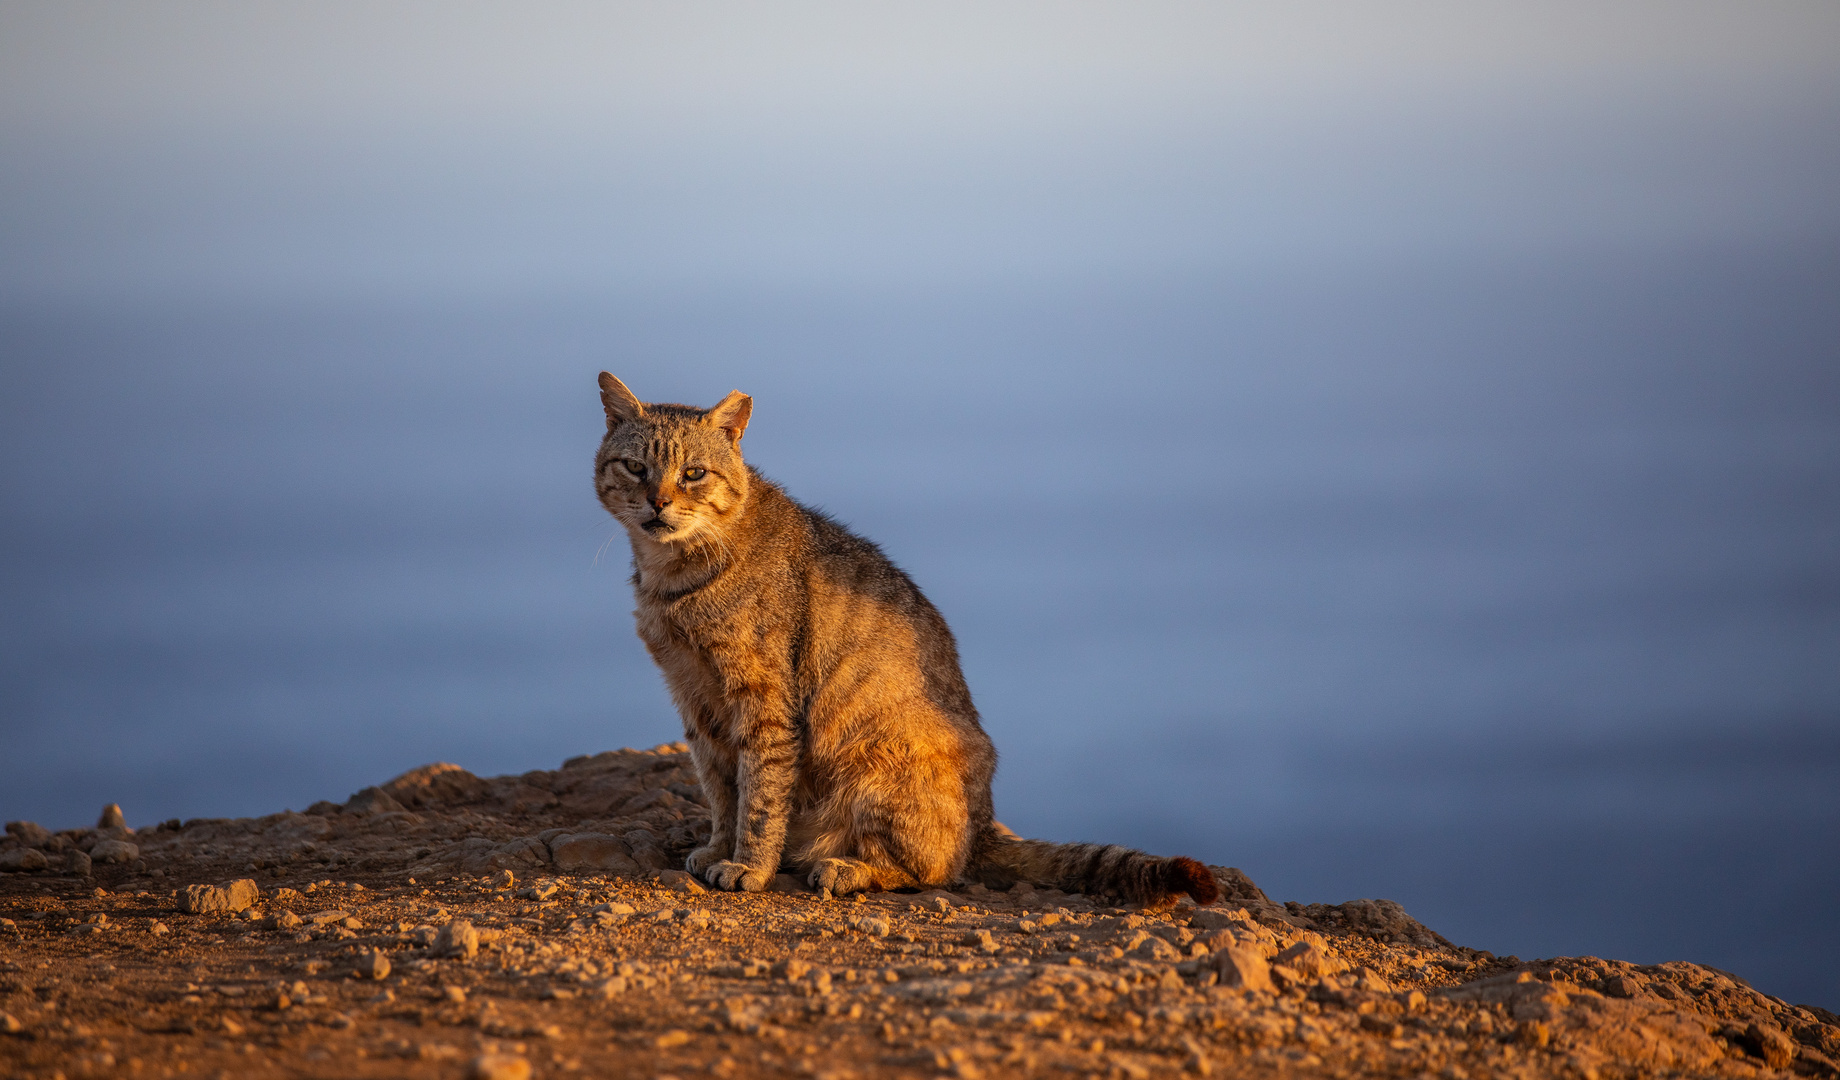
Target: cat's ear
[618,401]
[731,414]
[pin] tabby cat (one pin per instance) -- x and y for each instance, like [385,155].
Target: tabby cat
[820,692]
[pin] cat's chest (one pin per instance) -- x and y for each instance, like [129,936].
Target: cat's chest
[691,632]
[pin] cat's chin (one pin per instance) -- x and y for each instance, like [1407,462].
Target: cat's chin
[662,533]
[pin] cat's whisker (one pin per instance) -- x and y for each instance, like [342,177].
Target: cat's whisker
[602,550]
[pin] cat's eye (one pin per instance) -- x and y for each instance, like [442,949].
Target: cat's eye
[635,467]
[695,474]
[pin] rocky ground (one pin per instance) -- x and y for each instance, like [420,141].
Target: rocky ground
[445,925]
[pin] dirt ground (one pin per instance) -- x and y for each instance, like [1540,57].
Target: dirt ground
[445,925]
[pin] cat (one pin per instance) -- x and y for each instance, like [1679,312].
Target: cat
[820,692]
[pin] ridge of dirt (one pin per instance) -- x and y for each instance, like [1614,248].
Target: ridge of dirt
[447,925]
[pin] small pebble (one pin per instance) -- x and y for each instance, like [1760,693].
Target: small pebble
[372,965]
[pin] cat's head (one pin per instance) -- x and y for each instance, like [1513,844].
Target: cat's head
[671,473]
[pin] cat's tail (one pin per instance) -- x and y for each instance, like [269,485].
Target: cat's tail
[1002,858]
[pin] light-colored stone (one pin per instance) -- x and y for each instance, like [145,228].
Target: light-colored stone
[77,862]
[372,965]
[1242,969]
[498,1067]
[327,918]
[1217,919]
[541,890]
[112,818]
[679,881]
[114,851]
[22,860]
[9,1024]
[1309,960]
[457,938]
[1155,948]
[231,896]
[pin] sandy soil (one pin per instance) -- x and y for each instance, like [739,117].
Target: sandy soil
[446,925]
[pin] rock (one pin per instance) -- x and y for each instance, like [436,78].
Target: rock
[936,900]
[1621,986]
[645,850]
[1235,885]
[284,920]
[326,918]
[791,969]
[525,853]
[1216,919]
[1383,920]
[457,938]
[441,784]
[540,891]
[498,1067]
[670,1039]
[111,818]
[114,851]
[373,800]
[1241,968]
[29,833]
[873,925]
[593,851]
[679,881]
[1309,960]
[158,929]
[1155,948]
[1769,1043]
[77,862]
[22,860]
[9,1024]
[231,896]
[372,965]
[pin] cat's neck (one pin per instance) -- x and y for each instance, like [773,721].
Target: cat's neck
[671,569]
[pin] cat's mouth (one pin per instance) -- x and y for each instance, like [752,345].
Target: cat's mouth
[657,526]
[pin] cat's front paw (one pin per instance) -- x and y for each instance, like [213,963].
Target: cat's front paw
[737,877]
[707,856]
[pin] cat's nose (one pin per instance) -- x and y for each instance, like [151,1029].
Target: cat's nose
[658,501]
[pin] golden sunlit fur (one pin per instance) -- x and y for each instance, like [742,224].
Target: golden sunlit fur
[820,691]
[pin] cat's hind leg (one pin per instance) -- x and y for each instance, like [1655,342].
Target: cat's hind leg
[891,841]
[842,876]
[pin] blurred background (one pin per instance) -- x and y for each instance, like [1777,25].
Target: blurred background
[1393,449]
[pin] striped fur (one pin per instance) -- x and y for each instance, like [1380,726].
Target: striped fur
[820,691]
